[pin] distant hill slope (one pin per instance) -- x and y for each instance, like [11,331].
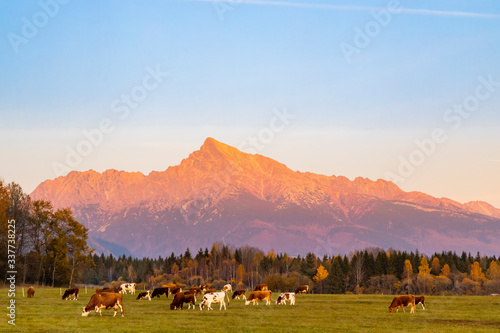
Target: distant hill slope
[219,193]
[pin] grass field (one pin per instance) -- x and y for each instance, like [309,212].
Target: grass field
[312,313]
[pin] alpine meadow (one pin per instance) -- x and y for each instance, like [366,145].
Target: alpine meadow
[250,166]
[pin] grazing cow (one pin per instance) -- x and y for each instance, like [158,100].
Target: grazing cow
[257,296]
[108,290]
[144,294]
[106,301]
[239,293]
[213,298]
[304,289]
[130,287]
[180,298]
[70,292]
[282,298]
[401,302]
[31,292]
[204,287]
[420,300]
[157,292]
[261,287]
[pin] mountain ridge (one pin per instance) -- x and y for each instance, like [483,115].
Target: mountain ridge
[219,189]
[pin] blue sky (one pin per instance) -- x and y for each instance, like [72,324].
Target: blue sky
[232,65]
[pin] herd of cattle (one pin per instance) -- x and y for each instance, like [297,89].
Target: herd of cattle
[112,297]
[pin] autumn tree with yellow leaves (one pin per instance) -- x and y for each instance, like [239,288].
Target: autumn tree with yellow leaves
[321,274]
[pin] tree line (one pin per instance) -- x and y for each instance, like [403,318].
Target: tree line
[51,246]
[52,250]
[372,270]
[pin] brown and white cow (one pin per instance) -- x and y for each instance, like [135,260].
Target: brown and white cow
[180,298]
[31,292]
[106,301]
[213,298]
[304,289]
[239,293]
[144,294]
[157,292]
[204,287]
[257,296]
[401,302]
[130,287]
[71,292]
[420,300]
[261,287]
[284,297]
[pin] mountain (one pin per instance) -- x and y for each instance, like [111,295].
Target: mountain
[221,194]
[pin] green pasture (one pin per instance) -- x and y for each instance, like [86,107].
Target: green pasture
[46,312]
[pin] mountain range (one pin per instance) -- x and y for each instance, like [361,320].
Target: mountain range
[222,194]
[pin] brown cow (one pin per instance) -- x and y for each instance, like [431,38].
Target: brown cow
[257,296]
[204,287]
[31,292]
[104,300]
[70,292]
[420,300]
[401,302]
[157,292]
[181,298]
[261,287]
[239,293]
[304,289]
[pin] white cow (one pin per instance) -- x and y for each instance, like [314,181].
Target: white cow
[282,298]
[130,287]
[217,297]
